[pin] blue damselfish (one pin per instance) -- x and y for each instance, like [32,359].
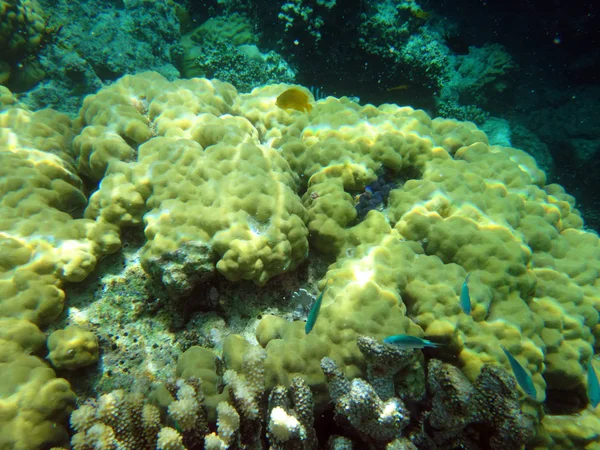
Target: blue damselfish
[593,388]
[314,311]
[465,298]
[523,378]
[408,342]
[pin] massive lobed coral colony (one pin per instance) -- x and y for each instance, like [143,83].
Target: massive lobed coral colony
[232,183]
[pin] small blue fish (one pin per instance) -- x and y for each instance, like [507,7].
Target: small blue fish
[523,378]
[407,342]
[593,388]
[314,311]
[465,298]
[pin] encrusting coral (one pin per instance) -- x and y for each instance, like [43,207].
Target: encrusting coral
[35,404]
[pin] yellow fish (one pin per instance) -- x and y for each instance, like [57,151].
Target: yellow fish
[294,98]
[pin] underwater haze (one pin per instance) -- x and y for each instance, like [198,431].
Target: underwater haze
[299,225]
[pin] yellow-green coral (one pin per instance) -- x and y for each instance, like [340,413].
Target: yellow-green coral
[72,348]
[215,177]
[35,404]
[22,32]
[362,299]
[201,363]
[41,248]
[463,206]
[23,333]
[204,186]
[469,207]
[41,243]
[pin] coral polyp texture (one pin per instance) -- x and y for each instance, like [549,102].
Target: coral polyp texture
[231,183]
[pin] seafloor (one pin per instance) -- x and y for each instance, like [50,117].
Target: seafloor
[299,225]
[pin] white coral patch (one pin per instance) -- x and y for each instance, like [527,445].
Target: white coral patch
[283,427]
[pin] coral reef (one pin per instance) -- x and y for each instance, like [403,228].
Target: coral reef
[126,420]
[43,247]
[22,27]
[230,184]
[471,82]
[246,232]
[391,369]
[455,413]
[357,404]
[175,414]
[483,414]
